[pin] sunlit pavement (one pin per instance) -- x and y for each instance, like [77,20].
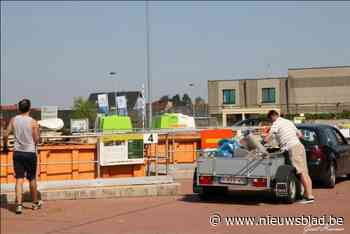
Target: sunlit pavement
[181,214]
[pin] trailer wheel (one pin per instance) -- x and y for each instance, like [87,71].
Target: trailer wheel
[286,178]
[300,189]
[195,187]
[292,190]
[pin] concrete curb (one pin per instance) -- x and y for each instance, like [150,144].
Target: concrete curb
[177,171]
[164,187]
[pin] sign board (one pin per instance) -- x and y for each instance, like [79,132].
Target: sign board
[140,104]
[102,100]
[79,125]
[150,138]
[121,149]
[121,102]
[345,132]
[122,108]
[49,112]
[211,137]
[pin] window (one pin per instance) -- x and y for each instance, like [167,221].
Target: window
[229,96]
[310,137]
[331,138]
[268,95]
[339,138]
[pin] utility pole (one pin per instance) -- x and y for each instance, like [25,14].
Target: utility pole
[143,107]
[148,65]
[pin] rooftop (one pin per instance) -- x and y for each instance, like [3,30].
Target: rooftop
[259,78]
[304,68]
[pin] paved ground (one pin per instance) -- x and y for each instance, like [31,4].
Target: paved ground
[169,215]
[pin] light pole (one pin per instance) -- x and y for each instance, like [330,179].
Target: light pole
[148,67]
[194,102]
[114,75]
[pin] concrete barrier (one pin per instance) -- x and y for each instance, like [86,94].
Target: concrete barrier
[99,188]
[176,170]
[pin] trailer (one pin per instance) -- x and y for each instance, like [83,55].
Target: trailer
[255,171]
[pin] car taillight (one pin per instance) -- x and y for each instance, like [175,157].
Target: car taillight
[205,180]
[317,152]
[259,182]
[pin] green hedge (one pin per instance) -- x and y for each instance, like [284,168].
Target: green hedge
[312,116]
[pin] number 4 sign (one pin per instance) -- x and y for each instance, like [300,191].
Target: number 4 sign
[150,138]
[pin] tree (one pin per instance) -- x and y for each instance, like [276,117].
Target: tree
[83,108]
[186,100]
[199,101]
[176,100]
[164,98]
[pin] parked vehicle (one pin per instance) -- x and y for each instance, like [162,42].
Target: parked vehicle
[251,123]
[264,172]
[328,152]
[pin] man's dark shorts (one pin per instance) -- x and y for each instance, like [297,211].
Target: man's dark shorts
[25,165]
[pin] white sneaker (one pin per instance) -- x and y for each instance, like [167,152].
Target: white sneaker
[37,205]
[19,209]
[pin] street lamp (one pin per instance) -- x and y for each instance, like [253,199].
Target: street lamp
[113,75]
[194,102]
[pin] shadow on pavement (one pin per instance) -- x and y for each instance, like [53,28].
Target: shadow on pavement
[320,185]
[11,206]
[233,197]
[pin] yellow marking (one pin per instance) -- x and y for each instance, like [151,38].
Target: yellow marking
[124,137]
[212,140]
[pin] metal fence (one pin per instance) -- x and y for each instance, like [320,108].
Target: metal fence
[292,108]
[205,115]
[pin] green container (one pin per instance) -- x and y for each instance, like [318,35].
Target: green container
[165,121]
[115,122]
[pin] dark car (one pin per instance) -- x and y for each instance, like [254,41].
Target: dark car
[328,152]
[251,123]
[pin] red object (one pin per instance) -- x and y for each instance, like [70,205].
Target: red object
[8,107]
[211,137]
[205,180]
[317,152]
[266,130]
[260,182]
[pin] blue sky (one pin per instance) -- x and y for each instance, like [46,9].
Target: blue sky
[54,51]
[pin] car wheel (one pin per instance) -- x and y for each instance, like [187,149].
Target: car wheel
[330,178]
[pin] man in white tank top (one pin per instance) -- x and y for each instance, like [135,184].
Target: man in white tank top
[27,135]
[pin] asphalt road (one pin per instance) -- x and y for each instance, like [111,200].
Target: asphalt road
[180,214]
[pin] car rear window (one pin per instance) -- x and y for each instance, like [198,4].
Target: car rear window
[310,136]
